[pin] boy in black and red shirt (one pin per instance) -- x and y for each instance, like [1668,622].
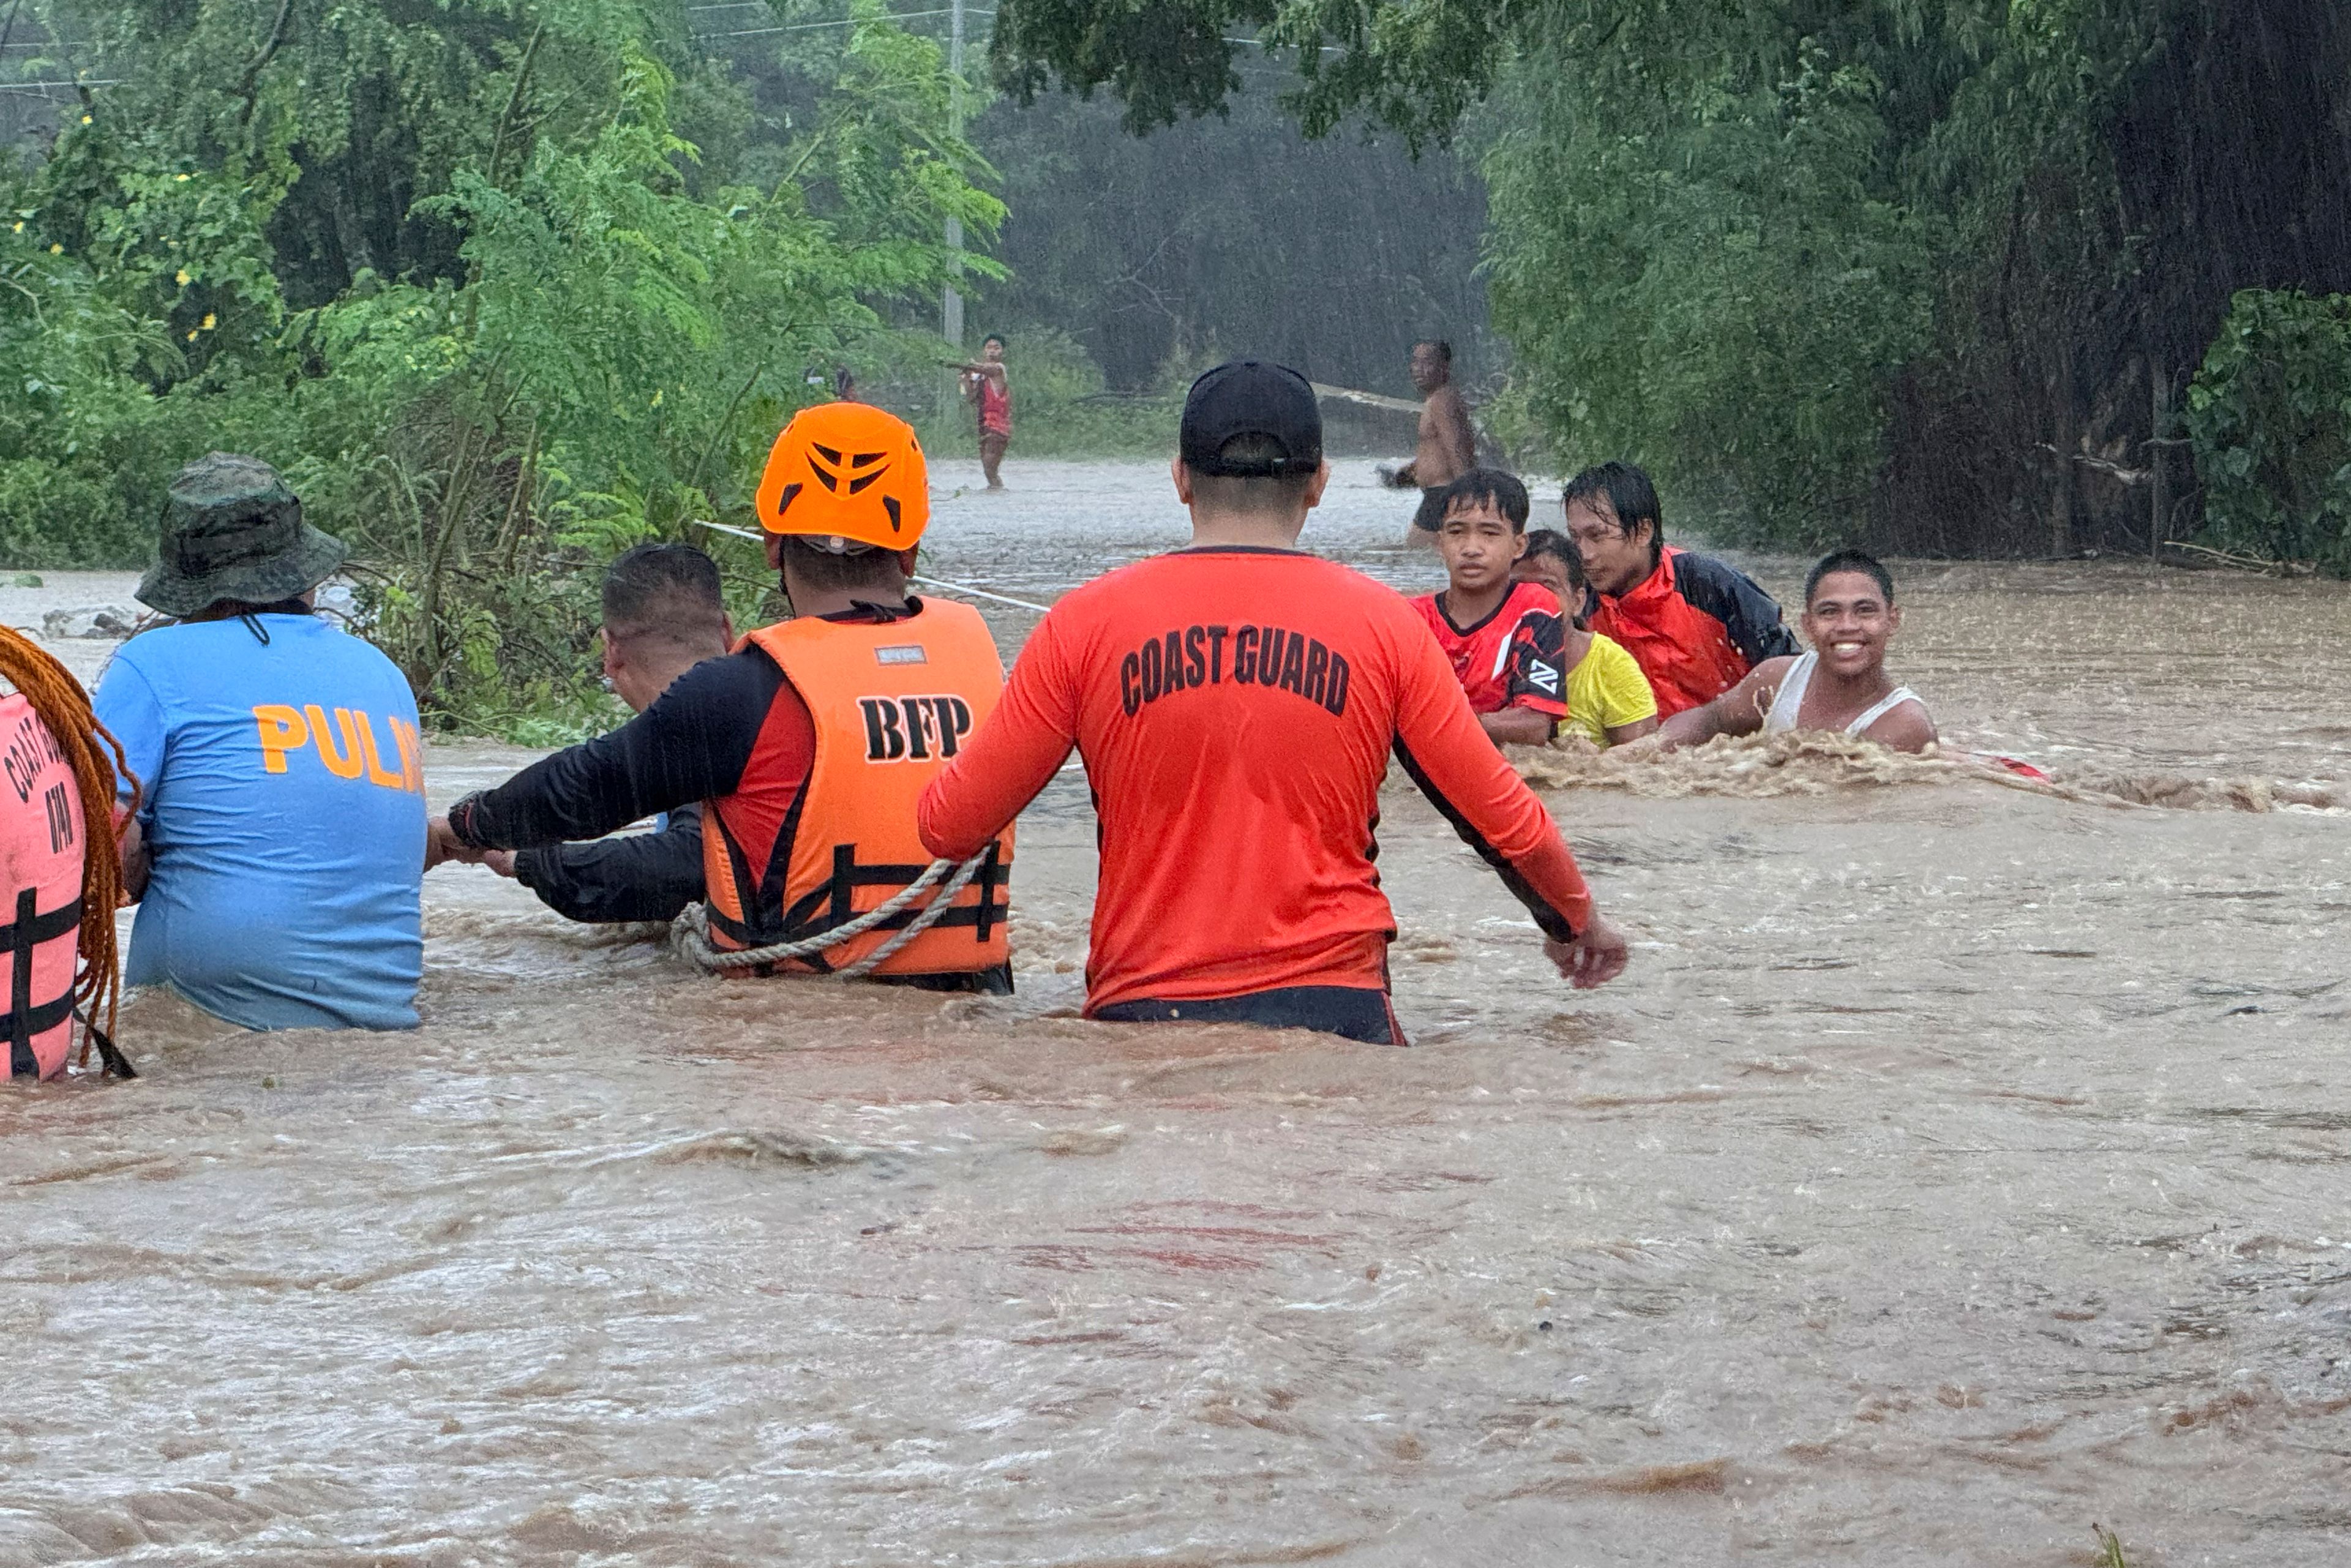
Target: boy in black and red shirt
[1504,639]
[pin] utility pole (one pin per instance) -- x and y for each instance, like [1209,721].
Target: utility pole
[2158,522]
[951,299]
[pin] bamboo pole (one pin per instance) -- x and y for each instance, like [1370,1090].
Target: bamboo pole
[2159,521]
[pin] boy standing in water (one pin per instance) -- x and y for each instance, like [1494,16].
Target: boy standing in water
[1849,617]
[990,391]
[1501,636]
[1609,701]
[1236,703]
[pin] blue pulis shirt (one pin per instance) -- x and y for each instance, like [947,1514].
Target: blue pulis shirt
[285,809]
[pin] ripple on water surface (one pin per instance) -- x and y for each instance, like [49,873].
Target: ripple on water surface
[1958,1165]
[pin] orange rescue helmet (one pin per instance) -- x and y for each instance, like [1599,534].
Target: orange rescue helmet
[849,473]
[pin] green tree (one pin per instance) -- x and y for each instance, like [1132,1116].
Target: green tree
[2269,415]
[1949,256]
[465,274]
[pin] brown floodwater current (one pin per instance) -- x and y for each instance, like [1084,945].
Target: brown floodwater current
[1958,1165]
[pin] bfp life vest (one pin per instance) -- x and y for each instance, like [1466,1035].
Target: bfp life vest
[41,848]
[890,702]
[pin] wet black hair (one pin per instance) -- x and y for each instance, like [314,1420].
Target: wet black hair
[1250,493]
[1443,349]
[880,570]
[1629,494]
[1487,488]
[1838,561]
[1560,549]
[665,590]
[993,338]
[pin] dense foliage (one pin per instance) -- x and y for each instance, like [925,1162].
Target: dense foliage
[1928,270]
[2269,415]
[502,285]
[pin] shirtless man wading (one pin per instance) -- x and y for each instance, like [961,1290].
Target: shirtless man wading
[1447,448]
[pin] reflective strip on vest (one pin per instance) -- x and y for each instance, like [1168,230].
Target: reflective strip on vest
[891,703]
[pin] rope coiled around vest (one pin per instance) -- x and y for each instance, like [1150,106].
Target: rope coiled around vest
[691,933]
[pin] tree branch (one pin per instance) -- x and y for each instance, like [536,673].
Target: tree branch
[249,87]
[514,102]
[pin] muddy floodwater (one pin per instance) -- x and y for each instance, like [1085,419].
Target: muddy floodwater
[1959,1166]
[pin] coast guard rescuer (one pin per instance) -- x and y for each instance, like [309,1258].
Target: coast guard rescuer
[1236,703]
[812,741]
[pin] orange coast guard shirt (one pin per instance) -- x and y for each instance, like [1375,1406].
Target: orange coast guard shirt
[1235,708]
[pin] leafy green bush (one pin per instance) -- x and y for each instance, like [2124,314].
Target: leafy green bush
[492,344]
[2270,419]
[1720,288]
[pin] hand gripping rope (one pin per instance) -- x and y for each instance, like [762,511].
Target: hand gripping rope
[691,933]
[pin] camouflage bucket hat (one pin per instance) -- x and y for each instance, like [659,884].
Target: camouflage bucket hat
[233,530]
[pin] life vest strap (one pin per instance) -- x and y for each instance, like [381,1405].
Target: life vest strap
[29,929]
[24,1018]
[833,904]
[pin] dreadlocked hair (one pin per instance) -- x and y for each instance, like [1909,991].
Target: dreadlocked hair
[86,745]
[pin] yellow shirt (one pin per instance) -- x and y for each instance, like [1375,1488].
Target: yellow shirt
[1606,690]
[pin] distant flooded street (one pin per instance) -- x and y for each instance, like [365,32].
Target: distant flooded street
[1959,1164]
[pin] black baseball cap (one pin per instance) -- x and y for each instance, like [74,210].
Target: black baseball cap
[1249,397]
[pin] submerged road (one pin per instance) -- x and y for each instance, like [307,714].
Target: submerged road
[1959,1166]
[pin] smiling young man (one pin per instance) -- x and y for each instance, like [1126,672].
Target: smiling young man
[1501,636]
[1236,703]
[1696,625]
[1842,686]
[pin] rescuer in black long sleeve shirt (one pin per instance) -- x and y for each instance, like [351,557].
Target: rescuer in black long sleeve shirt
[663,617]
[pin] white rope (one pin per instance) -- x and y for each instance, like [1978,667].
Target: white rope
[911,577]
[691,933]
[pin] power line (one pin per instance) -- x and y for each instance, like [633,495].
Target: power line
[843,22]
[1261,44]
[38,86]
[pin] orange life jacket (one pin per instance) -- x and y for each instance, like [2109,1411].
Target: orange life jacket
[890,702]
[41,847]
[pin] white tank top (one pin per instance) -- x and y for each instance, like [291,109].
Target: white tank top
[1790,702]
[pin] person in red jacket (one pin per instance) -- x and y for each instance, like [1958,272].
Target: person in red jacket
[1695,623]
[1236,705]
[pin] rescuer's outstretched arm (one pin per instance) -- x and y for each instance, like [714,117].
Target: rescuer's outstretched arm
[1011,757]
[1439,743]
[692,745]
